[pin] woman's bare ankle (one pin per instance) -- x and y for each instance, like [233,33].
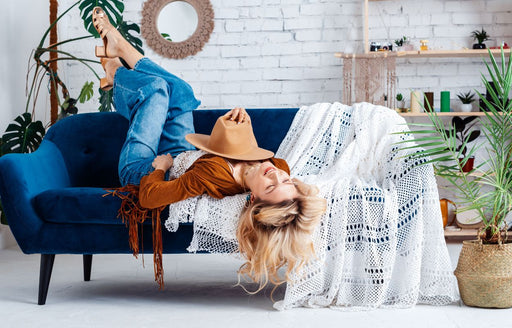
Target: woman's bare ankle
[131,56]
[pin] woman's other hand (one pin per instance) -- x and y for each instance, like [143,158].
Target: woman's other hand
[239,115]
[163,162]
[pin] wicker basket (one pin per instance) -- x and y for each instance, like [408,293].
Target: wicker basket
[484,274]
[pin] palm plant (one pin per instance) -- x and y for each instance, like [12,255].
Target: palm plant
[489,192]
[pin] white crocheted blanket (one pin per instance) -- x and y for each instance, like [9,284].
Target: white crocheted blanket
[380,243]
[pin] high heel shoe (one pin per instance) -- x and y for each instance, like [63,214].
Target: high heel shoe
[102,24]
[105,83]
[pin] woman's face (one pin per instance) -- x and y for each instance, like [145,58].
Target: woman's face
[269,183]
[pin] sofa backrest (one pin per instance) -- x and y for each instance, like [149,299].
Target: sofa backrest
[90,143]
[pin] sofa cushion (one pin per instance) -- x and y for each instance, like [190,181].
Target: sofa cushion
[82,205]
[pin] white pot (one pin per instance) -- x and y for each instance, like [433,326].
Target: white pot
[466,107]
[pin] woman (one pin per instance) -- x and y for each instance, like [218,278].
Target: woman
[281,213]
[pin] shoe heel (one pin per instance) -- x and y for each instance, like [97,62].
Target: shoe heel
[105,85]
[100,51]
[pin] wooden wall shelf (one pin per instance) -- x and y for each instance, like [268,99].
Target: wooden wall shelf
[460,235]
[448,114]
[424,54]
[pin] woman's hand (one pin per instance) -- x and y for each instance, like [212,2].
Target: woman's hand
[163,162]
[239,115]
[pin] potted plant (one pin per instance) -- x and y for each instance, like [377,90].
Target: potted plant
[480,37]
[466,99]
[484,269]
[401,103]
[403,44]
[464,133]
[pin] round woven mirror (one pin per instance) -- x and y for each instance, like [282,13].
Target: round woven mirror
[177,28]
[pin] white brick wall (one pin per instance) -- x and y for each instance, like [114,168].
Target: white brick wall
[447,25]
[280,53]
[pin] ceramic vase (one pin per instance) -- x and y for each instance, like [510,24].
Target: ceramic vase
[466,107]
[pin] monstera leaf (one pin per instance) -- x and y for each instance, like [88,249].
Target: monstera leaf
[113,8]
[23,135]
[105,101]
[125,28]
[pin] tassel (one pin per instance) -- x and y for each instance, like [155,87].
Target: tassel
[133,215]
[158,248]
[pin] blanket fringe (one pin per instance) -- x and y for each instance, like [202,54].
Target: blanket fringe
[133,215]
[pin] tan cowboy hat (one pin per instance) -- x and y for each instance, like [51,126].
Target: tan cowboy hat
[231,140]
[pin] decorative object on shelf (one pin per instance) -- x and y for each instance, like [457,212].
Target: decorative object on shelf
[423,45]
[448,215]
[416,97]
[504,45]
[480,37]
[428,103]
[469,219]
[401,103]
[387,47]
[466,99]
[375,46]
[445,101]
[490,91]
[403,44]
[484,269]
[202,26]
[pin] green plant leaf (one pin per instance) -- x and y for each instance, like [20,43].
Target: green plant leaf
[23,135]
[106,103]
[166,36]
[126,31]
[87,92]
[113,8]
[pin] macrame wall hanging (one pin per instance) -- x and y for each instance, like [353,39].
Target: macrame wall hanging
[368,79]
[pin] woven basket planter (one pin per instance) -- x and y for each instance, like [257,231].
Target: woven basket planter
[484,274]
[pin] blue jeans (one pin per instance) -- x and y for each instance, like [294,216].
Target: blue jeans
[159,108]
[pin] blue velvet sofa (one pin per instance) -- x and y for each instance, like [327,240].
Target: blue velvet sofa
[54,198]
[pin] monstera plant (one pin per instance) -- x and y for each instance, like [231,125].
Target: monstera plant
[25,134]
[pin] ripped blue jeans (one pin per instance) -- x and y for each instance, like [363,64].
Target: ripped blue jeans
[159,108]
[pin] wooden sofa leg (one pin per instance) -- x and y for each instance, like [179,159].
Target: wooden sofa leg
[87,266]
[45,273]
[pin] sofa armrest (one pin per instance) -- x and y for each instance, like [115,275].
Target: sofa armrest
[23,176]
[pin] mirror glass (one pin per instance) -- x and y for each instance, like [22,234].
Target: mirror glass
[177,21]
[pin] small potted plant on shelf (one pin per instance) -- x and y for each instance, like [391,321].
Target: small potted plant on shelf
[484,268]
[480,37]
[401,103]
[466,99]
[464,133]
[403,44]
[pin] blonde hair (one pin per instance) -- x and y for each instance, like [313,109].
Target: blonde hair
[271,236]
